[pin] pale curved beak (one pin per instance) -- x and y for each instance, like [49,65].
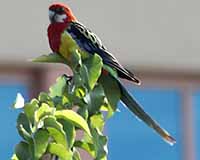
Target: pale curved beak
[52,15]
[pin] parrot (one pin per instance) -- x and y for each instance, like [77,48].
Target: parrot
[65,33]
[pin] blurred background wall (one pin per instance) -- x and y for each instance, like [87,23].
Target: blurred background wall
[158,40]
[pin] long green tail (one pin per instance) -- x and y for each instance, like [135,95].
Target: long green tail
[135,108]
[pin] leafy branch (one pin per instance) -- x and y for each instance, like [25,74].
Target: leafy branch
[49,124]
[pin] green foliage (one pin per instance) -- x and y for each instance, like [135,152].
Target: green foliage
[49,124]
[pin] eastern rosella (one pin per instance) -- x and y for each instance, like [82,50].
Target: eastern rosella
[65,33]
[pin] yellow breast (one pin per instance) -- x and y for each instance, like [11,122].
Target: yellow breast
[69,46]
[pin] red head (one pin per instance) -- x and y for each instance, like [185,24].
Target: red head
[60,13]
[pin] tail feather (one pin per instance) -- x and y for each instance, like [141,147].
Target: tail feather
[141,114]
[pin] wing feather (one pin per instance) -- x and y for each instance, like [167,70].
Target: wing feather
[90,42]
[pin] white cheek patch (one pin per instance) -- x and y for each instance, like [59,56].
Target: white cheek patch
[60,18]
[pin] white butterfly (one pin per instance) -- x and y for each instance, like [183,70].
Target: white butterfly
[19,102]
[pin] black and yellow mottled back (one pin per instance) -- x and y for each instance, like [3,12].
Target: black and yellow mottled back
[89,42]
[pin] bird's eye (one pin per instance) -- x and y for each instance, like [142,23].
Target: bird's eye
[60,10]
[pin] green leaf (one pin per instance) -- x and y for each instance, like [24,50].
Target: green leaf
[69,130]
[74,118]
[31,148]
[83,75]
[43,111]
[86,146]
[76,61]
[87,139]
[30,109]
[78,80]
[41,139]
[80,91]
[14,157]
[23,126]
[58,136]
[95,99]
[45,98]
[97,121]
[60,151]
[100,144]
[94,65]
[55,130]
[112,92]
[65,100]
[83,111]
[26,136]
[108,108]
[22,151]
[58,88]
[76,155]
[34,102]
[51,58]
